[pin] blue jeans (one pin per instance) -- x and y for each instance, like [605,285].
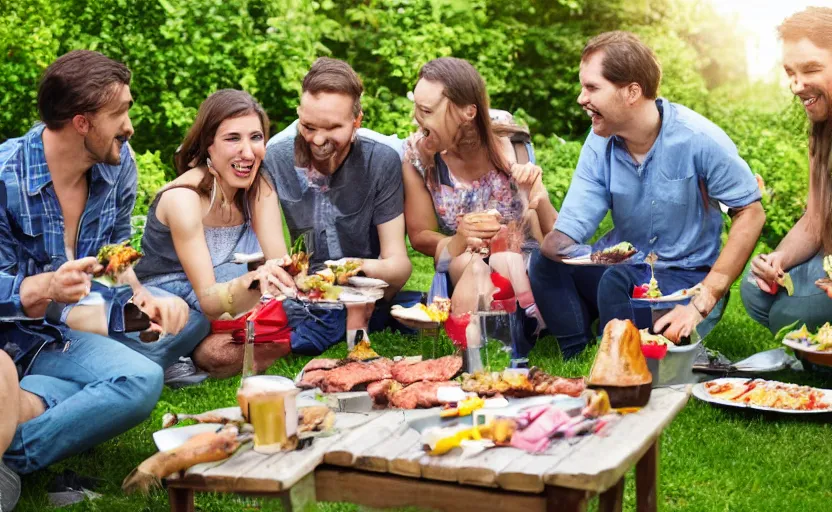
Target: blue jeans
[572,297]
[93,390]
[809,304]
[316,328]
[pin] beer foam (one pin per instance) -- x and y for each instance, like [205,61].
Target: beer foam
[267,383]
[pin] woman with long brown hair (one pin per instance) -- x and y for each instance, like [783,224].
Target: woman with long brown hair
[463,166]
[219,204]
[807,42]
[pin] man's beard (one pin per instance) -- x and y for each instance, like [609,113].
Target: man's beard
[105,156]
[305,157]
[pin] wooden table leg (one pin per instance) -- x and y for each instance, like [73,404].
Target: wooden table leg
[301,497]
[646,472]
[181,500]
[562,499]
[612,500]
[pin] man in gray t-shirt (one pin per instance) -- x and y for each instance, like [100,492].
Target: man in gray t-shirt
[344,191]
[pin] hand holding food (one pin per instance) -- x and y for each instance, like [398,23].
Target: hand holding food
[344,269]
[825,283]
[274,277]
[115,259]
[482,225]
[767,270]
[72,282]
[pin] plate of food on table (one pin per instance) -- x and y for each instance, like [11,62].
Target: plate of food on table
[765,395]
[423,316]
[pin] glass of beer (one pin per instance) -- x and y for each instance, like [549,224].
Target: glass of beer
[268,403]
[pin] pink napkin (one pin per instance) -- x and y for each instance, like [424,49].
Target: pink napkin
[541,423]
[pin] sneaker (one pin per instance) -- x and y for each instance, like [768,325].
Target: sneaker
[184,373]
[69,488]
[9,488]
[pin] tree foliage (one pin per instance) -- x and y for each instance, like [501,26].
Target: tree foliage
[528,52]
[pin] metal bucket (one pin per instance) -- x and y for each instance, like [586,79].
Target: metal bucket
[676,367]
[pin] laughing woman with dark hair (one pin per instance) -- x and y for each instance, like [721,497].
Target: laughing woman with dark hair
[220,204]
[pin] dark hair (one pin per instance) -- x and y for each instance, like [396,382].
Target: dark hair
[223,104]
[335,76]
[627,60]
[78,82]
[463,85]
[815,24]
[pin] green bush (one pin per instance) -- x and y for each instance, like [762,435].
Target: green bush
[528,53]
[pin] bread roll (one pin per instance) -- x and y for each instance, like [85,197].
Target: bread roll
[619,361]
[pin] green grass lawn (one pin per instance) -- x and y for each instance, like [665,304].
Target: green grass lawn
[711,458]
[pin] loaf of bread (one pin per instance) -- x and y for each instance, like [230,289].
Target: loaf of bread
[619,361]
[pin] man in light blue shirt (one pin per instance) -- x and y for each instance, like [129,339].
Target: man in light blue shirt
[661,170]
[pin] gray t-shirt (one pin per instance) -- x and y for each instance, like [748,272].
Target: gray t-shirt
[342,210]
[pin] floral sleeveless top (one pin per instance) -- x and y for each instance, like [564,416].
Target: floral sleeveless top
[451,199]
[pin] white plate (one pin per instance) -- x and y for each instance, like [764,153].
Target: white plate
[679,296]
[581,260]
[701,393]
[174,437]
[367,282]
[587,261]
[796,345]
[240,257]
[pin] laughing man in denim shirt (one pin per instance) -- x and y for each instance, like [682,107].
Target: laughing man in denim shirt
[661,170]
[68,188]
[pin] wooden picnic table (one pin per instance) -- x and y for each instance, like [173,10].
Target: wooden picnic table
[376,461]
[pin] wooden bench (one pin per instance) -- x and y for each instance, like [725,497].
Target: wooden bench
[377,461]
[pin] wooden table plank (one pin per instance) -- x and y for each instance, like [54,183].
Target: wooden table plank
[407,463]
[601,461]
[339,485]
[483,469]
[346,449]
[525,474]
[378,458]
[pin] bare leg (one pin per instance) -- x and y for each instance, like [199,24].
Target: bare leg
[512,266]
[19,406]
[222,358]
[358,317]
[10,397]
[474,281]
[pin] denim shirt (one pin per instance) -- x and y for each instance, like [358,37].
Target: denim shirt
[32,224]
[668,204]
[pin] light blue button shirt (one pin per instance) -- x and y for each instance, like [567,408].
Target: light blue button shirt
[669,204]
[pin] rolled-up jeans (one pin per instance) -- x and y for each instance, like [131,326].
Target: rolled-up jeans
[809,305]
[94,388]
[572,297]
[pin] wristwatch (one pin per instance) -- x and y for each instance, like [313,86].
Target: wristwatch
[56,313]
